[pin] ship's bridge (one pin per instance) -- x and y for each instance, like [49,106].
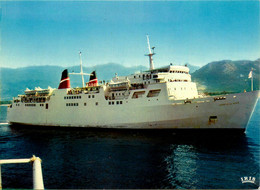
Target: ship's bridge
[171,69]
[164,74]
[172,74]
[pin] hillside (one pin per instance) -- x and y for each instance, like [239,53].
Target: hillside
[227,75]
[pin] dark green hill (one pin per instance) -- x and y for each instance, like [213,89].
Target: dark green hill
[227,75]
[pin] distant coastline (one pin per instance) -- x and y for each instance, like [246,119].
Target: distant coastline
[5,103]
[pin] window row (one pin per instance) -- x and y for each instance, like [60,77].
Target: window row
[118,94]
[170,80]
[30,105]
[145,76]
[77,97]
[77,104]
[151,93]
[179,72]
[72,104]
[147,82]
[91,96]
[183,88]
[115,102]
[72,97]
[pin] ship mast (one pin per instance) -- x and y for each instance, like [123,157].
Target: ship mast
[81,71]
[150,53]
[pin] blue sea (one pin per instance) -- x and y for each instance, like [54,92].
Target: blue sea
[87,159]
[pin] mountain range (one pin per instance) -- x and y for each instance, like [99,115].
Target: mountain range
[227,75]
[216,76]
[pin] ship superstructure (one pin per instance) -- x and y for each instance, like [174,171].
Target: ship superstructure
[163,98]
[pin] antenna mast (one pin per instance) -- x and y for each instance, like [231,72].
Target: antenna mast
[150,53]
[81,71]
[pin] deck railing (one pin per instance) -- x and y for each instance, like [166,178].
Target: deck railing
[37,170]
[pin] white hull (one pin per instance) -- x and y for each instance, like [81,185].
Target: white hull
[233,112]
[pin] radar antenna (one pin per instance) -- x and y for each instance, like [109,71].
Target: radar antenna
[150,53]
[81,71]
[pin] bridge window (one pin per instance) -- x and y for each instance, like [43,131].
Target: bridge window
[153,93]
[138,94]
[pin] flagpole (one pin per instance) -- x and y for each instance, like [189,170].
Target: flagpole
[252,86]
[250,75]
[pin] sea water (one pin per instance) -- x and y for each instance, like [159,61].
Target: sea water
[83,158]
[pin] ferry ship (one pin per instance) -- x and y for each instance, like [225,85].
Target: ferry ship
[162,98]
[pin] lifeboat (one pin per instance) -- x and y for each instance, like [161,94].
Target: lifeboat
[116,86]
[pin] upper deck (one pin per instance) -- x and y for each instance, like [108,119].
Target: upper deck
[165,74]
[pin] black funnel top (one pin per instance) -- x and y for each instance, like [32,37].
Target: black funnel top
[64,74]
[92,76]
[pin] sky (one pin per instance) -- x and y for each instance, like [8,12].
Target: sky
[194,32]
